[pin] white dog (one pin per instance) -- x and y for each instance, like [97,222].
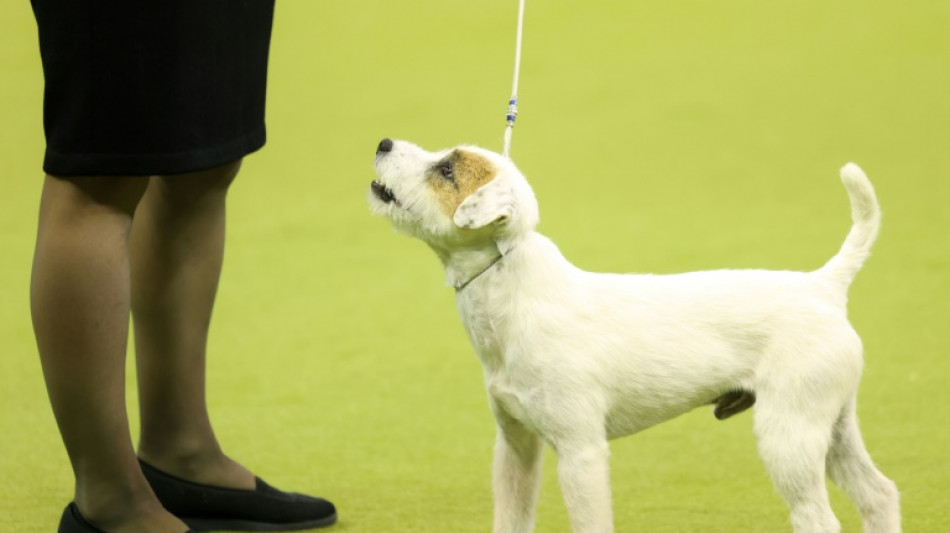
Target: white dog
[573,358]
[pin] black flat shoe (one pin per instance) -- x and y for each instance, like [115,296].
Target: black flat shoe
[208,508]
[73,522]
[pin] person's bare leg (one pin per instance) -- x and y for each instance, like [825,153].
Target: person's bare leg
[80,301]
[177,251]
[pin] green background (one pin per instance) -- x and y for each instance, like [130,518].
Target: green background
[659,137]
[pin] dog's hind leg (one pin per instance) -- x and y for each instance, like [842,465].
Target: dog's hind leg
[516,475]
[584,473]
[851,468]
[793,442]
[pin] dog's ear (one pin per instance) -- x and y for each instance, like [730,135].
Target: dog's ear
[490,203]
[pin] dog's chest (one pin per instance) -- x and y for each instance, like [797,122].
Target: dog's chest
[488,335]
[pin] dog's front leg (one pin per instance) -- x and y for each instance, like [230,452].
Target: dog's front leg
[516,475]
[584,472]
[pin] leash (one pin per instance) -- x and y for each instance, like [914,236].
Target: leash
[512,113]
[460,286]
[510,117]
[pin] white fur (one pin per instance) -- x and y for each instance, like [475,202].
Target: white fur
[574,358]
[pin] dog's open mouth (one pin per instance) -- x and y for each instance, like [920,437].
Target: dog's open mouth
[383,193]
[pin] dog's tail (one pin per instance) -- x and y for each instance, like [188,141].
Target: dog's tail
[866,214]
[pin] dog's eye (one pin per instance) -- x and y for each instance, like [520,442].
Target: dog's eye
[447,170]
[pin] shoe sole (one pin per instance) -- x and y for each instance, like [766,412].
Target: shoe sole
[210,524]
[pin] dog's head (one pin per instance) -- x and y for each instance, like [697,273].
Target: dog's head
[461,197]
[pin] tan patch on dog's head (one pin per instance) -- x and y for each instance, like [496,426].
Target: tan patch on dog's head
[458,175]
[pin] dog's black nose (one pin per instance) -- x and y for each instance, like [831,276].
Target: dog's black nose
[385,145]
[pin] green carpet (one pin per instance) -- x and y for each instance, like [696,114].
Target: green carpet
[659,137]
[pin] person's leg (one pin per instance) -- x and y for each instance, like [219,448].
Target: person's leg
[177,251]
[80,302]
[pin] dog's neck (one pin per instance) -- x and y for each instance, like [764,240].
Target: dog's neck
[532,268]
[464,265]
[460,286]
[473,266]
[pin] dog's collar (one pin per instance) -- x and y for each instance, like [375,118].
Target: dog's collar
[462,285]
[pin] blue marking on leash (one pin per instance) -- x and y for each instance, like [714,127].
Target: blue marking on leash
[512,111]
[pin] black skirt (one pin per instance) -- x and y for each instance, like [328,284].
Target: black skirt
[145,87]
